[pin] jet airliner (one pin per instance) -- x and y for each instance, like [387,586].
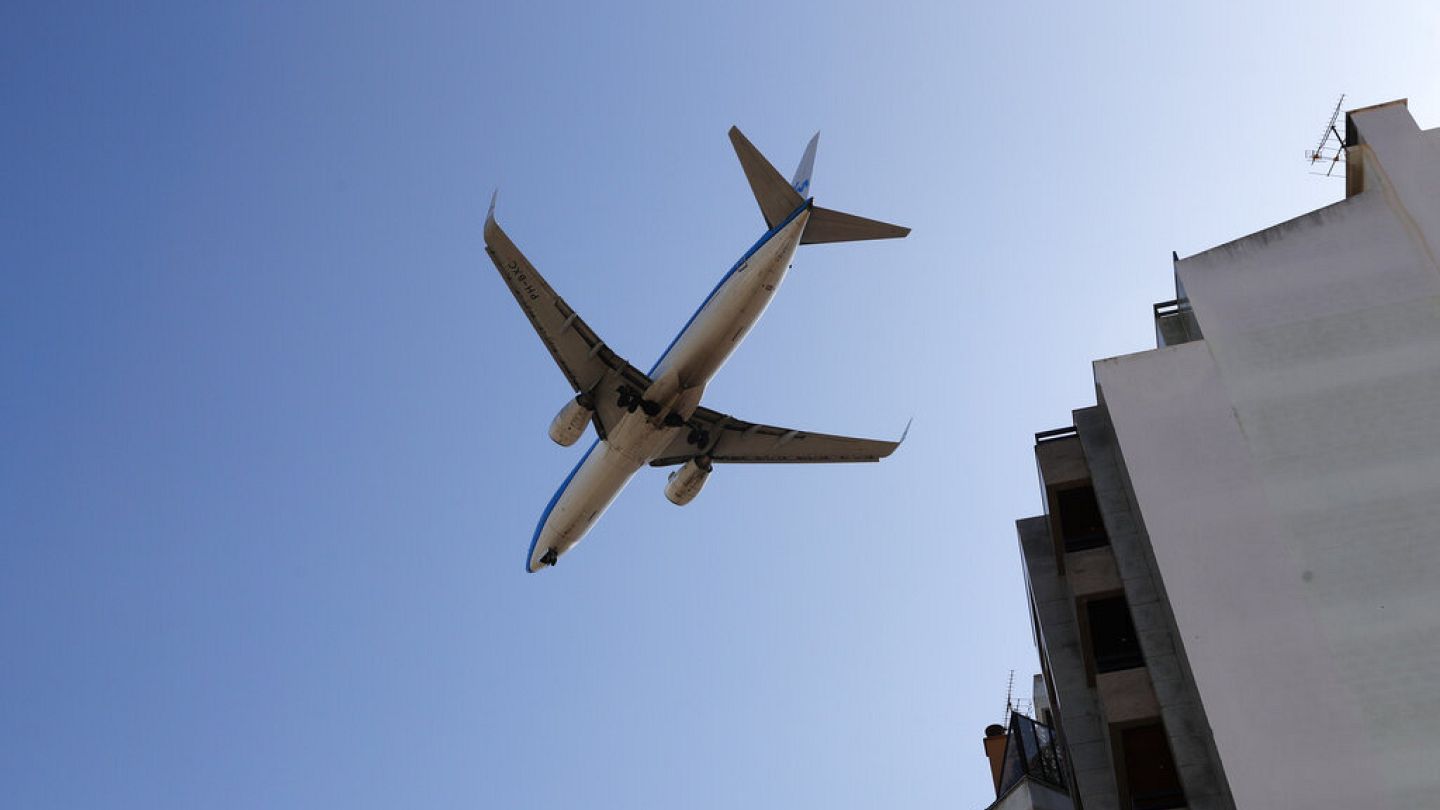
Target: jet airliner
[655,417]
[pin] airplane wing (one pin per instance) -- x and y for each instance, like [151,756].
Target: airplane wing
[734,440]
[592,368]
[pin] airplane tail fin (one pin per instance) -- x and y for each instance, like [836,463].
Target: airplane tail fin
[801,183]
[778,199]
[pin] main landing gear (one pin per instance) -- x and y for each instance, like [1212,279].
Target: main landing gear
[632,400]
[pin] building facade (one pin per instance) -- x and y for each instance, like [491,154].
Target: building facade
[1235,584]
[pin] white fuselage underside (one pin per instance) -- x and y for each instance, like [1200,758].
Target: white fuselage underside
[679,378]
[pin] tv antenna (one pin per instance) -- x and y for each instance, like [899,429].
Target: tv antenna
[1330,153]
[1014,705]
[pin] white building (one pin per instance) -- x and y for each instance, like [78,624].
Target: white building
[1236,585]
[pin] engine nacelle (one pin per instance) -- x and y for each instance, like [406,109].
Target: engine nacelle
[569,424]
[685,483]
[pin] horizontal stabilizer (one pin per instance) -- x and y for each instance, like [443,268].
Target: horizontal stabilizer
[826,225]
[776,197]
[779,199]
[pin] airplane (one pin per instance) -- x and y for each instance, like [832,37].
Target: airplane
[655,417]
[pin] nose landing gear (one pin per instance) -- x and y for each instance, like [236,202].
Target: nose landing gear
[550,558]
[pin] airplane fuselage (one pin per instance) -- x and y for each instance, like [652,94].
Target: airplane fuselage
[679,379]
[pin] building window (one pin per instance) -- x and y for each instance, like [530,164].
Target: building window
[1149,780]
[1080,523]
[1113,641]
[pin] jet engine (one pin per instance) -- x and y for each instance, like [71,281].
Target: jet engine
[685,483]
[569,424]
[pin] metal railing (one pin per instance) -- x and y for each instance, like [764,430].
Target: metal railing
[1056,434]
[1032,749]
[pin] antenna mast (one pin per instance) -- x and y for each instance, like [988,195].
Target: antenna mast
[1331,149]
[1009,692]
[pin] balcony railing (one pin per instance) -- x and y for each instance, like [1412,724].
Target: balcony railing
[1031,749]
[1056,434]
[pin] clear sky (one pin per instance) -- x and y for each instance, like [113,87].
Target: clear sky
[274,431]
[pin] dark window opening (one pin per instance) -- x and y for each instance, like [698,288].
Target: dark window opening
[1151,781]
[1113,640]
[1080,523]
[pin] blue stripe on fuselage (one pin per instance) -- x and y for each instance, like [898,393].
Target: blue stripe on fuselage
[549,507]
[733,269]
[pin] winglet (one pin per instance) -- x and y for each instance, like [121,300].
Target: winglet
[898,442]
[490,214]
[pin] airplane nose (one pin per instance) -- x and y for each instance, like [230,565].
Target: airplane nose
[545,550]
[537,551]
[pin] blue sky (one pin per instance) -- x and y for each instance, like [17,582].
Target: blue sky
[274,432]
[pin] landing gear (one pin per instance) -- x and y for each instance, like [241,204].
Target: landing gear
[698,437]
[550,558]
[630,400]
[673,419]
